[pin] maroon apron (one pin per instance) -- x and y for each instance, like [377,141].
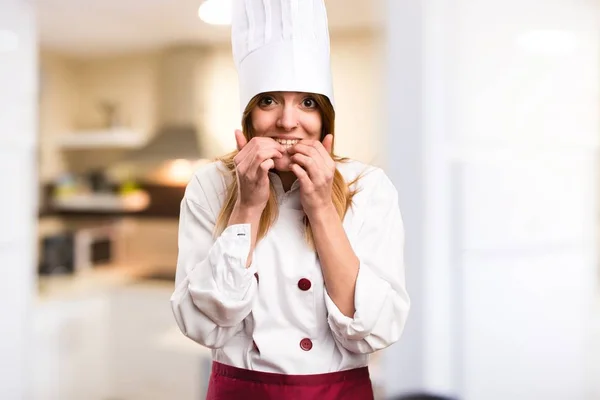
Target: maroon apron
[231,383]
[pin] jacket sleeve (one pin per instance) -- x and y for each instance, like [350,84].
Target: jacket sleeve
[380,299]
[213,288]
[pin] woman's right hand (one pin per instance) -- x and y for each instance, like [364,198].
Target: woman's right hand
[253,162]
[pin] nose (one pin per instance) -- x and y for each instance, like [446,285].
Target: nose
[287,119]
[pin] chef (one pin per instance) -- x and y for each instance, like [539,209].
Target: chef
[290,264]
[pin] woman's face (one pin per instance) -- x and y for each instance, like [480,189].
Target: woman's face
[287,117]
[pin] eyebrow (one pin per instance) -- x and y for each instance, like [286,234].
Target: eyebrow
[279,94]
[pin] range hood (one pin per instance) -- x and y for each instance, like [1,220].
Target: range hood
[179,110]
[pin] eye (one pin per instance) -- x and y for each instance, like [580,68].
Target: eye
[266,101]
[309,102]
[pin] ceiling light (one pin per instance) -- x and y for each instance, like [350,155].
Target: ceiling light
[215,12]
[548,42]
[9,41]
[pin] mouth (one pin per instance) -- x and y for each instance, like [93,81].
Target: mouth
[286,143]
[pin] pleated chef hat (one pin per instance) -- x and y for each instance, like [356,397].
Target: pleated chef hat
[281,45]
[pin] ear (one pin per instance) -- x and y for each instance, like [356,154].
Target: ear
[240,139]
[328,143]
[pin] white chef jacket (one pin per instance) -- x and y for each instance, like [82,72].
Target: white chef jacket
[282,320]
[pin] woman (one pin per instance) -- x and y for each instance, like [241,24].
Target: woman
[290,258]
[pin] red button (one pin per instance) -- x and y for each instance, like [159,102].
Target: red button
[256,276]
[304,284]
[306,344]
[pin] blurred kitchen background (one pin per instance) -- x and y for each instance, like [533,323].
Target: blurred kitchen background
[484,113]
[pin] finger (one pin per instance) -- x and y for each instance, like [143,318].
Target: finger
[240,139]
[302,175]
[328,143]
[262,141]
[244,157]
[248,159]
[304,161]
[310,149]
[263,171]
[260,156]
[313,168]
[305,148]
[324,149]
[322,169]
[272,142]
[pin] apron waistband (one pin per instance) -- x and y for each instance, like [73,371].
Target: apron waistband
[284,379]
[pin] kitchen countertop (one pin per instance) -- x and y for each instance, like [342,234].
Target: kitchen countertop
[103,280]
[95,281]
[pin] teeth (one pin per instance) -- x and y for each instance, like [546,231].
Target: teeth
[287,143]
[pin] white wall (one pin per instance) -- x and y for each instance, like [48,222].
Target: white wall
[58,98]
[406,147]
[498,189]
[18,116]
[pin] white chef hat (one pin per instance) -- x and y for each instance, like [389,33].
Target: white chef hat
[281,45]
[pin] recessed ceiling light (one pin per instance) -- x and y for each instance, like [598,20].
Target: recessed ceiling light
[9,41]
[548,42]
[215,12]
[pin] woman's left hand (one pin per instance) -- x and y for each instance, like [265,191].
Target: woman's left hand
[313,166]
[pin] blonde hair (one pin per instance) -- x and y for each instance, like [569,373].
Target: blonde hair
[341,194]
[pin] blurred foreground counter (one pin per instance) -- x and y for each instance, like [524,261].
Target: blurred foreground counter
[109,332]
[94,282]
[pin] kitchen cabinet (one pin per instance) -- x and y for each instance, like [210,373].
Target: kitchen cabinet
[69,350]
[142,366]
[119,342]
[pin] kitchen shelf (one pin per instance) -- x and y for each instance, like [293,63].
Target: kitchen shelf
[117,138]
[102,203]
[163,202]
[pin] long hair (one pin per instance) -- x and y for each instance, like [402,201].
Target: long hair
[341,194]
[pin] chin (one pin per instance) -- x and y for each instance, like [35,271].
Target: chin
[282,164]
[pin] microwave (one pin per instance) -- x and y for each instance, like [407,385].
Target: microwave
[79,250]
[94,246]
